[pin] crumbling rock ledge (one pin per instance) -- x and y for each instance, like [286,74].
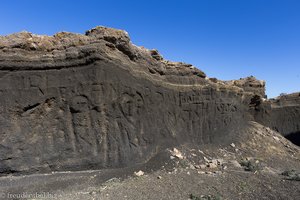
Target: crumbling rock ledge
[74,102]
[250,84]
[26,51]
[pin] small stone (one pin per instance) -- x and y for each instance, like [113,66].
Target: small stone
[177,153]
[232,145]
[192,166]
[214,161]
[220,161]
[201,151]
[206,160]
[235,163]
[202,166]
[159,177]
[93,193]
[139,173]
[212,165]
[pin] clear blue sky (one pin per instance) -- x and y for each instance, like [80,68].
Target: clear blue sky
[227,39]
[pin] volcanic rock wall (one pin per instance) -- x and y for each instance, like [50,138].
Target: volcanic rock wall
[73,102]
[281,114]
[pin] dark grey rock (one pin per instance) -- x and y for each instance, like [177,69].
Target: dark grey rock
[74,102]
[281,114]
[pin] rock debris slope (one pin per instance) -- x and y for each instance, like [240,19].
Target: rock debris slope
[75,102]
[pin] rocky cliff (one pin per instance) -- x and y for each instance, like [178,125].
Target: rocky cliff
[73,102]
[281,114]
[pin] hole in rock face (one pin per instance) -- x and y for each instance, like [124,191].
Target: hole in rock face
[294,138]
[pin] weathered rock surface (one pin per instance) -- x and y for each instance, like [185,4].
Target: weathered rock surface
[73,102]
[281,114]
[250,84]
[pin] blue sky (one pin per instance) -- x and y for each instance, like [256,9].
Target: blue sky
[227,39]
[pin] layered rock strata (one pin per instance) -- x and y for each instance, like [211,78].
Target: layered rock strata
[74,102]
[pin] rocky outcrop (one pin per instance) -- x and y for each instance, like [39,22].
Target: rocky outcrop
[281,114]
[73,102]
[250,84]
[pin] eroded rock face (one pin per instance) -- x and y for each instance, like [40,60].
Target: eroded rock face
[281,114]
[250,84]
[73,102]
